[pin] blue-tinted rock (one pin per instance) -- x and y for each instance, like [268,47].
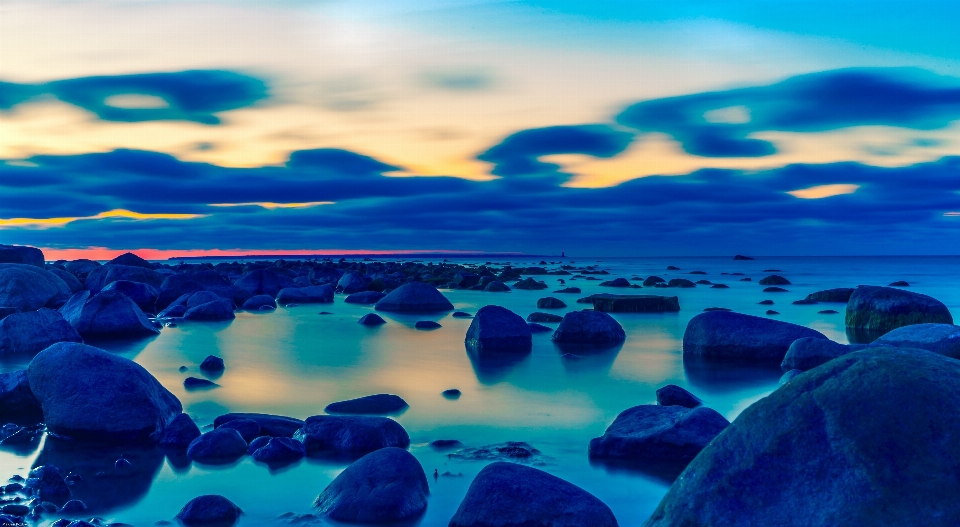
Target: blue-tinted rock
[726,335]
[351,435]
[109,314]
[496,331]
[279,451]
[180,432]
[89,394]
[254,303]
[384,486]
[658,434]
[29,288]
[144,295]
[943,339]
[217,310]
[31,332]
[315,294]
[371,319]
[382,403]
[100,277]
[248,428]
[673,395]
[590,328]
[414,297]
[270,425]
[364,297]
[17,402]
[510,495]
[21,254]
[222,445]
[808,353]
[209,510]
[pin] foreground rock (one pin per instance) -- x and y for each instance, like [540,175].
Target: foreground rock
[29,288]
[635,303]
[511,495]
[673,395]
[32,332]
[21,254]
[590,328]
[381,403]
[350,435]
[496,330]
[835,437]
[943,339]
[840,294]
[882,309]
[414,297]
[727,335]
[109,314]
[90,395]
[808,353]
[658,434]
[209,510]
[384,486]
[270,425]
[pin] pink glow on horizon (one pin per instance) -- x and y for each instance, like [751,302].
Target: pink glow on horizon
[103,253]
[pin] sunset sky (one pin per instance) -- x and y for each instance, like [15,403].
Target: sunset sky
[596,128]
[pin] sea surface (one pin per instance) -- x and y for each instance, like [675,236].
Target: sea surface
[295,361]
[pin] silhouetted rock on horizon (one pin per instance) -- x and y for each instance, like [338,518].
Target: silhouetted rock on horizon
[673,395]
[883,309]
[271,425]
[497,331]
[32,332]
[29,288]
[210,510]
[808,353]
[381,403]
[350,434]
[21,254]
[943,339]
[590,328]
[414,297]
[108,314]
[840,294]
[728,335]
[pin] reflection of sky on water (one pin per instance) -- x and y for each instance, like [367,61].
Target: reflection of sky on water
[295,362]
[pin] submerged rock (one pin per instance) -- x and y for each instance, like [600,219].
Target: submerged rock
[658,434]
[885,308]
[726,335]
[414,297]
[270,425]
[384,486]
[32,332]
[589,327]
[808,353]
[496,330]
[381,403]
[109,314]
[222,445]
[673,395]
[350,435]
[511,495]
[210,510]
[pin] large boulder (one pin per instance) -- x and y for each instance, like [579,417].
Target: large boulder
[270,425]
[658,434]
[870,438]
[144,295]
[314,294]
[21,254]
[103,275]
[589,328]
[108,314]
[496,330]
[211,510]
[728,335]
[90,395]
[385,486]
[634,303]
[875,308]
[381,403]
[29,288]
[938,338]
[32,332]
[510,495]
[840,294]
[414,297]
[808,353]
[17,402]
[264,282]
[350,435]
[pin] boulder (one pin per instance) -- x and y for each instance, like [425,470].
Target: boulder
[314,294]
[108,314]
[264,282]
[870,438]
[17,402]
[511,495]
[774,280]
[550,303]
[496,286]
[808,353]
[658,434]
[72,282]
[270,425]
[278,451]
[673,395]
[543,317]
[179,433]
[364,297]
[883,309]
[220,309]
[529,284]
[381,403]
[727,335]
[259,302]
[210,510]
[635,303]
[414,297]
[590,328]
[90,395]
[29,288]
[371,319]
[496,330]
[350,434]
[222,445]
[105,274]
[385,486]
[21,254]
[840,294]
[144,295]
[943,339]
[32,332]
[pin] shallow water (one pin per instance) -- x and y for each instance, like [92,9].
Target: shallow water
[294,362]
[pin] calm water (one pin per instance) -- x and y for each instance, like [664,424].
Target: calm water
[294,362]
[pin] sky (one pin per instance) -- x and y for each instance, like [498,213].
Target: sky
[633,128]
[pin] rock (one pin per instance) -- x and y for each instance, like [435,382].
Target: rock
[510,495]
[635,303]
[414,297]
[529,284]
[248,428]
[109,314]
[270,425]
[673,395]
[264,282]
[371,319]
[314,294]
[774,280]
[835,436]
[495,286]
[350,434]
[364,297]
[144,295]
[256,303]
[17,402]
[196,383]
[32,332]
[387,485]
[88,394]
[72,282]
[29,288]
[427,324]
[550,303]
[841,294]
[775,290]
[222,445]
[808,353]
[21,254]
[883,309]
[681,282]
[212,364]
[351,283]
[209,510]
[497,331]
[742,257]
[47,483]
[382,403]
[543,317]
[180,432]
[725,335]
[658,434]
[589,327]
[217,310]
[106,274]
[279,451]
[943,339]
[899,283]
[617,282]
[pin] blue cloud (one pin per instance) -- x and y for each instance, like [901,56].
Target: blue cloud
[195,95]
[807,103]
[517,154]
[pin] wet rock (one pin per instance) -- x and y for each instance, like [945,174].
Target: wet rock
[144,295]
[180,432]
[543,317]
[350,435]
[21,254]
[90,395]
[371,319]
[264,282]
[427,324]
[414,297]
[209,511]
[212,364]
[775,289]
[255,303]
[109,314]
[31,332]
[17,402]
[278,451]
[834,436]
[883,309]
[943,339]
[29,288]
[530,284]
[270,425]
[496,331]
[635,303]
[550,303]
[840,294]
[222,445]
[589,327]
[364,297]
[314,294]
[248,428]
[382,403]
[388,485]
[217,310]
[673,395]
[508,494]
[725,335]
[196,383]
[658,434]
[808,353]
